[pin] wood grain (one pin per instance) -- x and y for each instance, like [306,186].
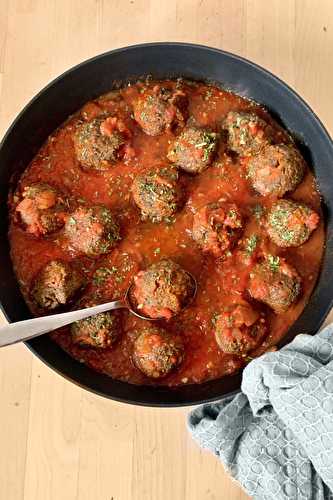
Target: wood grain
[59,441]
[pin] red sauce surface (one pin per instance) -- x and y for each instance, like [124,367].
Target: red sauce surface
[220,282]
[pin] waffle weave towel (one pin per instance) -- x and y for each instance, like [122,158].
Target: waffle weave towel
[276,436]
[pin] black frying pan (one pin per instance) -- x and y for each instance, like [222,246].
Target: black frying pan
[88,80]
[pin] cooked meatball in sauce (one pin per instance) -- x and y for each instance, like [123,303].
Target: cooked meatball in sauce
[55,285]
[276,170]
[99,331]
[247,133]
[193,150]
[156,353]
[99,143]
[159,108]
[158,193]
[91,230]
[276,283]
[146,186]
[41,209]
[239,329]
[162,290]
[290,224]
[216,227]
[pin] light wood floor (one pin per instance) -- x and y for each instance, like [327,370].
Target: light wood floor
[59,442]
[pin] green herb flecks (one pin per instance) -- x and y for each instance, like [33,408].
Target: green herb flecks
[214,318]
[251,244]
[258,211]
[71,221]
[279,221]
[208,144]
[103,274]
[274,262]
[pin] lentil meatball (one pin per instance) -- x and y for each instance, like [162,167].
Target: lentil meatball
[247,133]
[239,329]
[91,230]
[99,331]
[42,209]
[290,224]
[216,227]
[157,193]
[156,352]
[275,283]
[276,170]
[55,285]
[193,150]
[158,109]
[101,142]
[162,290]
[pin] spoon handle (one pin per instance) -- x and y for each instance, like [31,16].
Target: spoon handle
[30,328]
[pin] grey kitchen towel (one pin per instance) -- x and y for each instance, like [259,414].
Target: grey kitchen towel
[276,436]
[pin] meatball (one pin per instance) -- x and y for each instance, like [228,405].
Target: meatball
[101,142]
[239,329]
[99,331]
[42,209]
[91,230]
[156,352]
[162,290]
[276,170]
[55,285]
[290,224]
[158,109]
[193,150]
[216,227]
[157,193]
[275,283]
[247,133]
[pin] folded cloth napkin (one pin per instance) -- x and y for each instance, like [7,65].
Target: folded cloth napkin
[276,436]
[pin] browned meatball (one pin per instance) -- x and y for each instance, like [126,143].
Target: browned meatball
[158,109]
[91,230]
[247,133]
[55,285]
[276,170]
[42,209]
[157,193]
[156,352]
[239,329]
[162,290]
[99,331]
[290,224]
[193,150]
[275,283]
[216,227]
[101,142]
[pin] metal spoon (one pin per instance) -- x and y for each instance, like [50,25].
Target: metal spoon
[30,328]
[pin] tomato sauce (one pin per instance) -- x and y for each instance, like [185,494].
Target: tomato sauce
[220,281]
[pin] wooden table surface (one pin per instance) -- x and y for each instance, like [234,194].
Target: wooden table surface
[58,441]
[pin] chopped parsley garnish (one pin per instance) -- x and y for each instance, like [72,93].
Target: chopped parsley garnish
[208,144]
[157,251]
[232,214]
[258,211]
[215,315]
[279,221]
[71,221]
[274,262]
[102,274]
[251,244]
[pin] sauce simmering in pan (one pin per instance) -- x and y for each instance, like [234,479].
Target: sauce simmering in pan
[255,261]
